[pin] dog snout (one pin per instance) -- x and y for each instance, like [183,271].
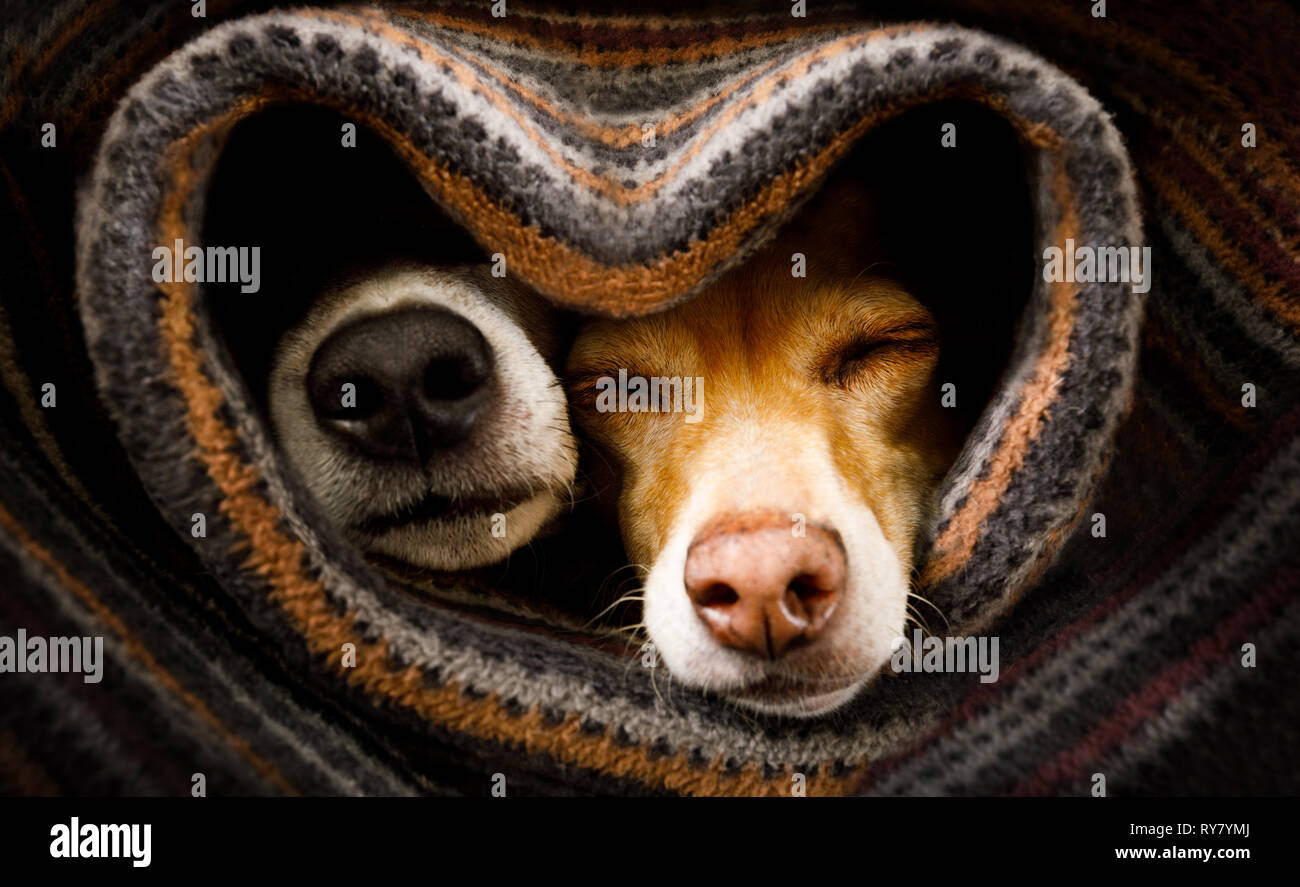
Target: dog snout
[420,378]
[761,588]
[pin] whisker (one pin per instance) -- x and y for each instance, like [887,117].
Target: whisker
[638,595]
[930,603]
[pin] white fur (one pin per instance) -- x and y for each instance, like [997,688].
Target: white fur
[763,468]
[523,442]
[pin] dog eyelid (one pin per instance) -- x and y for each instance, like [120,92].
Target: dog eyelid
[582,386]
[585,380]
[919,337]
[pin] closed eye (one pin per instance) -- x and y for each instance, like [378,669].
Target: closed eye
[892,348]
[582,386]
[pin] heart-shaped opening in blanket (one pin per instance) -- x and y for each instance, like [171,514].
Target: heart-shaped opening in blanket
[321,200]
[597,216]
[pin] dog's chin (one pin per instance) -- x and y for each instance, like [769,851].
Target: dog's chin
[855,651]
[475,532]
[796,699]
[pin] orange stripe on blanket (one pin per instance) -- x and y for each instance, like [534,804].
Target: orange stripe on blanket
[138,651]
[468,80]
[954,546]
[88,14]
[622,58]
[1123,37]
[14,100]
[11,369]
[23,776]
[762,93]
[707,15]
[571,277]
[1156,334]
[1211,162]
[610,186]
[612,136]
[1275,296]
[103,91]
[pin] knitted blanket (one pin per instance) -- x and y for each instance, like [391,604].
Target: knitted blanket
[1125,515]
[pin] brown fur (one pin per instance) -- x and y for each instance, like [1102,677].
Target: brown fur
[810,384]
[767,345]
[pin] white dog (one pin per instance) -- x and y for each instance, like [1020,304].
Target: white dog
[419,408]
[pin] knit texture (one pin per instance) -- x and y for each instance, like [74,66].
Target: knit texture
[1121,655]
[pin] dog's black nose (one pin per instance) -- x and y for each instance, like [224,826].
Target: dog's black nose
[402,385]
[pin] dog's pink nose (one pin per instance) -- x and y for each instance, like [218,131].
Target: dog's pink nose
[761,588]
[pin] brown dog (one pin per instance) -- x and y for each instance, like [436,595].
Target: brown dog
[775,510]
